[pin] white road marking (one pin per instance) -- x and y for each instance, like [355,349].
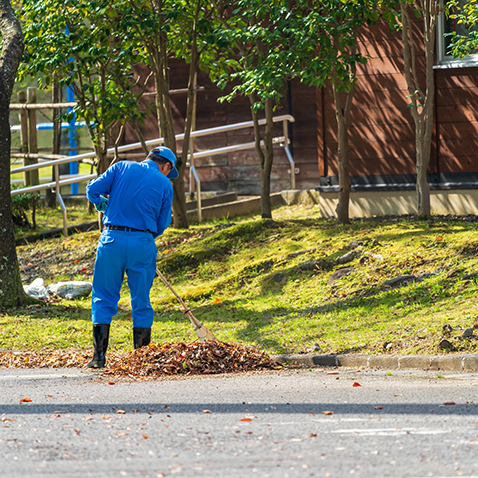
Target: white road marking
[389,431]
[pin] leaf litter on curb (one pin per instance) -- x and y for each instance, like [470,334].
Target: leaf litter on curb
[155,360]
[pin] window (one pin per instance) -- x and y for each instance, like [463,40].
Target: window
[449,25]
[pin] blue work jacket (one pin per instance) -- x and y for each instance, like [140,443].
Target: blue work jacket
[140,196]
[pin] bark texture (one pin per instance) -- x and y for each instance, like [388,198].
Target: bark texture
[11,289]
[342,115]
[421,101]
[269,158]
[158,53]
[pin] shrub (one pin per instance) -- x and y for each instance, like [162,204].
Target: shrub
[21,203]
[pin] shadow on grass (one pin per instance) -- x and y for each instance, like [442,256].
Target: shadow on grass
[235,310]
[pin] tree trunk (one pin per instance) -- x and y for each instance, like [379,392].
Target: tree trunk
[11,289]
[343,170]
[102,156]
[423,147]
[264,160]
[342,115]
[189,121]
[266,167]
[166,130]
[421,104]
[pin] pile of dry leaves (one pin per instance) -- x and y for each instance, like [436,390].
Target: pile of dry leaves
[153,361]
[190,358]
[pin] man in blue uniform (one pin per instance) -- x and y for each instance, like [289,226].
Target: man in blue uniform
[138,210]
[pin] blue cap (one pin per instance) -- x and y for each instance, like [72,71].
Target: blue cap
[166,153]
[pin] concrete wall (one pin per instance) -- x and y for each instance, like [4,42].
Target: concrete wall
[384,203]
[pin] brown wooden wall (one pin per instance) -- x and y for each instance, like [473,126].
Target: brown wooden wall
[382,136]
[457,120]
[240,171]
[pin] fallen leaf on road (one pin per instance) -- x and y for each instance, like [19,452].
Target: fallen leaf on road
[313,435]
[121,434]
[206,411]
[145,436]
[327,412]
[88,418]
[77,432]
[106,417]
[245,420]
[25,400]
[378,407]
[111,383]
[449,403]
[59,411]
[332,373]
[397,395]
[356,384]
[120,412]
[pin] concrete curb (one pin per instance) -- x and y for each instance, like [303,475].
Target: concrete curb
[450,363]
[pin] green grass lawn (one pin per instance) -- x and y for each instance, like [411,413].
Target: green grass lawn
[246,279]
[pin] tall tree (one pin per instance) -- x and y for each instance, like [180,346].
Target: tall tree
[78,43]
[324,37]
[250,38]
[165,29]
[11,289]
[421,96]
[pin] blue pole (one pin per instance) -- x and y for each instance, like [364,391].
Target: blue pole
[72,139]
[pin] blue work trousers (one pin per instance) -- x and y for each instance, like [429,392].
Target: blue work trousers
[119,252]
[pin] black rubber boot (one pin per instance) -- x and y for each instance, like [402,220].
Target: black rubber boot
[141,336]
[101,333]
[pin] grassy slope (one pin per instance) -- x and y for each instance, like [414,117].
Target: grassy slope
[245,282]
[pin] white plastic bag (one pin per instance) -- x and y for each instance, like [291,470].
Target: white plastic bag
[37,289]
[71,289]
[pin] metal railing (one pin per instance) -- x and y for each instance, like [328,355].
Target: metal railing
[283,141]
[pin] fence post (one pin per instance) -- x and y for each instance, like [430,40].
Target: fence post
[32,135]
[60,200]
[22,116]
[285,128]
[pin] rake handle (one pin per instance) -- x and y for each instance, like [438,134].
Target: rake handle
[168,285]
[198,326]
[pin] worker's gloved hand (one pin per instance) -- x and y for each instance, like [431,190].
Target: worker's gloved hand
[102,205]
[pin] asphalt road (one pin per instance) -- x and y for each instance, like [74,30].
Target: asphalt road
[265,425]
